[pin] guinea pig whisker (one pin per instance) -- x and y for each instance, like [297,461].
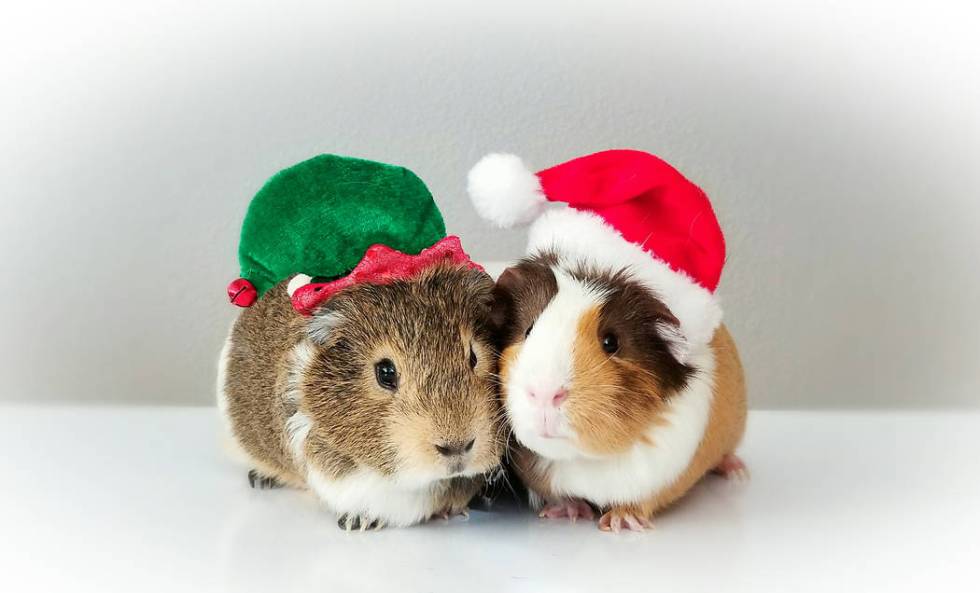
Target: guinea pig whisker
[494,351]
[619,388]
[638,369]
[607,418]
[503,433]
[499,415]
[598,366]
[507,483]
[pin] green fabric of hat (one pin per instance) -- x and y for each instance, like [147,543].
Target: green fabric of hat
[320,216]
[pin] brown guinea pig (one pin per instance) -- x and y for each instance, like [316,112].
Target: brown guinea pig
[382,402]
[610,407]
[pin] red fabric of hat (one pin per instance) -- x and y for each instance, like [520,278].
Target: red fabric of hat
[649,202]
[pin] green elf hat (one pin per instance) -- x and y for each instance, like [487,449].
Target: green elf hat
[331,222]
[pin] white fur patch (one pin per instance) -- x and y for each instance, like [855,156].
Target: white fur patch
[220,393]
[583,236]
[297,429]
[369,494]
[298,425]
[646,469]
[322,324]
[534,500]
[545,365]
[678,345]
[299,361]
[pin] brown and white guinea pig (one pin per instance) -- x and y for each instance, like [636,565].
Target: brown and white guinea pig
[602,412]
[382,402]
[621,385]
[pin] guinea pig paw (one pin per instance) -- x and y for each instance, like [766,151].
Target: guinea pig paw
[732,468]
[351,522]
[257,480]
[618,520]
[571,509]
[448,514]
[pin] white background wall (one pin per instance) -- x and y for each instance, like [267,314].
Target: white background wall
[838,140]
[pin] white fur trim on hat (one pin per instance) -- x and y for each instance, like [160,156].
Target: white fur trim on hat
[504,191]
[578,236]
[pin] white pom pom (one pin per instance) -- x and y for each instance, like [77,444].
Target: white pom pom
[296,282]
[504,191]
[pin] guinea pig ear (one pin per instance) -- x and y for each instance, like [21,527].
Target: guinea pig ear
[502,309]
[475,284]
[324,320]
[669,330]
[482,282]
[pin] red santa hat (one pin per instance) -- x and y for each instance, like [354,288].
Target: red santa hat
[626,209]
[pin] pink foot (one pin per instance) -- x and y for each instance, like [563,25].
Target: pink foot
[732,468]
[571,509]
[448,514]
[618,520]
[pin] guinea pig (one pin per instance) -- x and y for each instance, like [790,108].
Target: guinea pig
[602,411]
[382,402]
[621,385]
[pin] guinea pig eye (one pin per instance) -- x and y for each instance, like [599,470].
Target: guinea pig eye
[610,343]
[472,357]
[386,374]
[528,331]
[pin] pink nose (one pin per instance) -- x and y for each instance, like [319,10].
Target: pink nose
[555,398]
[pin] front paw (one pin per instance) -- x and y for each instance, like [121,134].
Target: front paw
[624,519]
[454,501]
[573,509]
[733,468]
[451,511]
[354,522]
[257,480]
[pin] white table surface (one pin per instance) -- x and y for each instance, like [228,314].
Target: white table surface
[144,499]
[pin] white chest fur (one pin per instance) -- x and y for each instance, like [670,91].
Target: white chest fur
[369,494]
[646,469]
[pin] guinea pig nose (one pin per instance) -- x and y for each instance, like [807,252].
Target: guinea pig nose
[451,449]
[555,398]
